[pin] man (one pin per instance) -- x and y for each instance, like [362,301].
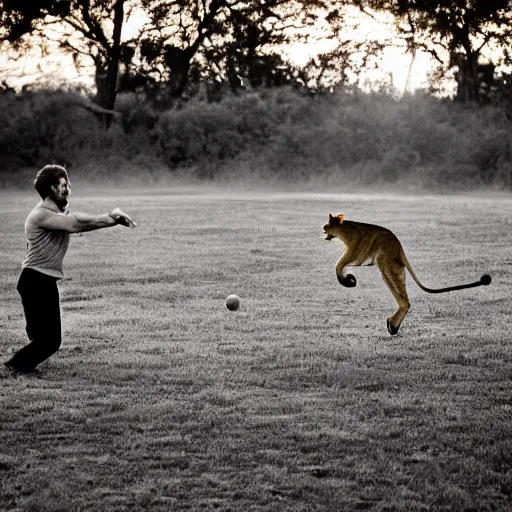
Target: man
[47,230]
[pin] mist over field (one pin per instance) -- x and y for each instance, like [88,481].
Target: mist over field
[343,141]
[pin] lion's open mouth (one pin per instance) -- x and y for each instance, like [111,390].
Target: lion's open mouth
[327,235]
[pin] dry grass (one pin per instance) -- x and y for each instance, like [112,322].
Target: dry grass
[161,399]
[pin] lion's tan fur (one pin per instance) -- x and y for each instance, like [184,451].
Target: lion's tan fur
[368,244]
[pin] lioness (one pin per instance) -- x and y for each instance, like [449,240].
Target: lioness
[367,244]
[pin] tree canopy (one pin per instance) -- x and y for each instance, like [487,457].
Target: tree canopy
[84,28]
[456,33]
[241,42]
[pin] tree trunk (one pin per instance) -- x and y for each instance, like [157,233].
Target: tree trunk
[179,64]
[468,85]
[114,57]
[100,80]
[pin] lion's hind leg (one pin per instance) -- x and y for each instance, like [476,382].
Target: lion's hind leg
[394,276]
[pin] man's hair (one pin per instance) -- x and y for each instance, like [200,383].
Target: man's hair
[48,176]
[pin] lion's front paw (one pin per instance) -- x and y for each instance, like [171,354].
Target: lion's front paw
[349,281]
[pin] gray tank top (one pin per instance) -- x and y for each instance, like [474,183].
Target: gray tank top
[45,248]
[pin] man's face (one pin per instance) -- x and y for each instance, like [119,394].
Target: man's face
[61,190]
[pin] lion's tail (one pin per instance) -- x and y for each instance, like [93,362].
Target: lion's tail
[484,280]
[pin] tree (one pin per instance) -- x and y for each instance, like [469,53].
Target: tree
[456,33]
[84,28]
[234,41]
[349,55]
[19,18]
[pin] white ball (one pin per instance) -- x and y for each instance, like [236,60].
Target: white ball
[232,302]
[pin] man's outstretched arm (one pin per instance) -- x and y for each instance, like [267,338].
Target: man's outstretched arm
[81,222]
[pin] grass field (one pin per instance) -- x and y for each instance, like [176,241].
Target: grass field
[161,399]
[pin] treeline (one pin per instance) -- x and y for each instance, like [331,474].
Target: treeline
[342,140]
[181,44]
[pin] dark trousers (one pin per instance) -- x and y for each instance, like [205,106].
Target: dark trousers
[40,298]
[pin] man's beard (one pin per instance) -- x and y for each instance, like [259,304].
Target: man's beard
[61,203]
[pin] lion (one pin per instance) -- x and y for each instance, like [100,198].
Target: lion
[368,244]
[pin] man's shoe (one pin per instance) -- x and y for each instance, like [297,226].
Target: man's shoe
[14,370]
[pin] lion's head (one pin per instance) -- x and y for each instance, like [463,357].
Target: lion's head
[335,221]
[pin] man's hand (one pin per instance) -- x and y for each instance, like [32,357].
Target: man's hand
[122,218]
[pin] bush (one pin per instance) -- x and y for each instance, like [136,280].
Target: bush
[281,134]
[204,132]
[38,128]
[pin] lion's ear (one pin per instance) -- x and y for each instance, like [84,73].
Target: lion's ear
[334,220]
[341,217]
